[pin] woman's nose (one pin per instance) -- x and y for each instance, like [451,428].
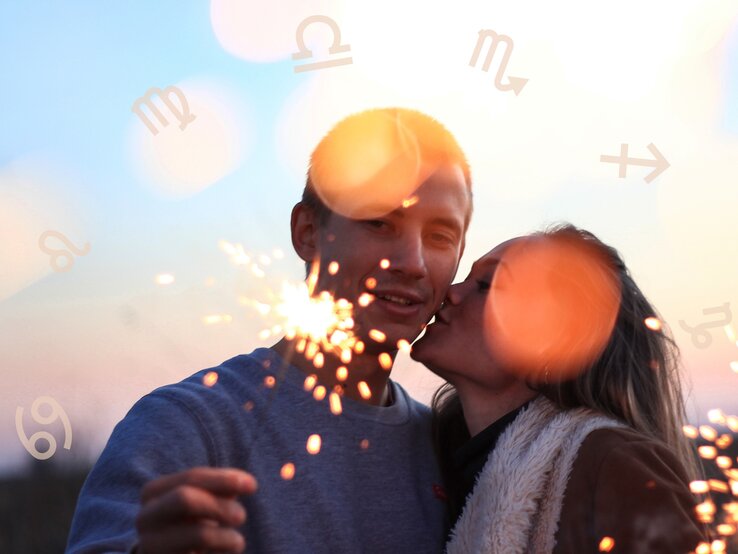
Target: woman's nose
[454,295]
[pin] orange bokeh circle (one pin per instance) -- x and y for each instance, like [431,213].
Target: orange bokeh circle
[552,307]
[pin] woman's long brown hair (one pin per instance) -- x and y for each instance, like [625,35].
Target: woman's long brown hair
[636,379]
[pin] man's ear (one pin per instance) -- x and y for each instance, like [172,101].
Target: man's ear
[305,232]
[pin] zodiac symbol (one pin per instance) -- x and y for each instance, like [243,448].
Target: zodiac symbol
[336,48]
[30,442]
[183,116]
[659,163]
[701,338]
[515,84]
[57,253]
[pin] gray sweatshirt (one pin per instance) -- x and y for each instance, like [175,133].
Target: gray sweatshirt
[373,486]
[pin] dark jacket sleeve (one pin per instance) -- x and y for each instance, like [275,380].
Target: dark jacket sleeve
[633,490]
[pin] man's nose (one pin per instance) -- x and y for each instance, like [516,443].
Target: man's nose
[409,258]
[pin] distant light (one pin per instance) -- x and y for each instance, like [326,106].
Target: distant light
[164,279]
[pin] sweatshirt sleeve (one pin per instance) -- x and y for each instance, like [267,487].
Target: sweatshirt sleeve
[643,501]
[158,436]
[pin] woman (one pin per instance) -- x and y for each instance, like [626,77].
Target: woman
[539,457]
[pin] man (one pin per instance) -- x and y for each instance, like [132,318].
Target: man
[381,225]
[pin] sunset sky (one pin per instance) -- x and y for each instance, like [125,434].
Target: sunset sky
[76,160]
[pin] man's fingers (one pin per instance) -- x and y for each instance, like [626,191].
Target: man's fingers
[187,503]
[196,538]
[219,481]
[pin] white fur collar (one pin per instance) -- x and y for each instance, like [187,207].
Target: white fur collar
[515,505]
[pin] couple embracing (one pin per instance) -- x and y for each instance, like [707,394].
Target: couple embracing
[559,428]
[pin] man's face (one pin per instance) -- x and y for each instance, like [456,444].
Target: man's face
[405,259]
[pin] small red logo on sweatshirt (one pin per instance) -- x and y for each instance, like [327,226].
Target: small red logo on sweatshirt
[440,492]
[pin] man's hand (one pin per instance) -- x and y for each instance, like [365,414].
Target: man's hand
[194,510]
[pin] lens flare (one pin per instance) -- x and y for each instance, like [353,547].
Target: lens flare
[368,164]
[552,306]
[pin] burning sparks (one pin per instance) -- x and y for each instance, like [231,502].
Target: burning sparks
[653,323]
[607,544]
[235,252]
[319,393]
[364,390]
[342,373]
[410,201]
[371,283]
[365,299]
[288,471]
[734,366]
[313,444]
[216,318]
[385,360]
[335,402]
[705,511]
[164,279]
[377,335]
[323,323]
[333,268]
[210,378]
[310,382]
[384,264]
[404,346]
[269,381]
[364,444]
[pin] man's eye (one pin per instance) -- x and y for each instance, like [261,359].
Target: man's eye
[443,238]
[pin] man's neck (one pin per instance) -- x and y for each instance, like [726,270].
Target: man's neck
[364,368]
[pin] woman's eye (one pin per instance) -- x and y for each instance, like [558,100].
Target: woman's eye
[483,285]
[376,223]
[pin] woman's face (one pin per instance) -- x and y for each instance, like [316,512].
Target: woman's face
[540,307]
[455,346]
